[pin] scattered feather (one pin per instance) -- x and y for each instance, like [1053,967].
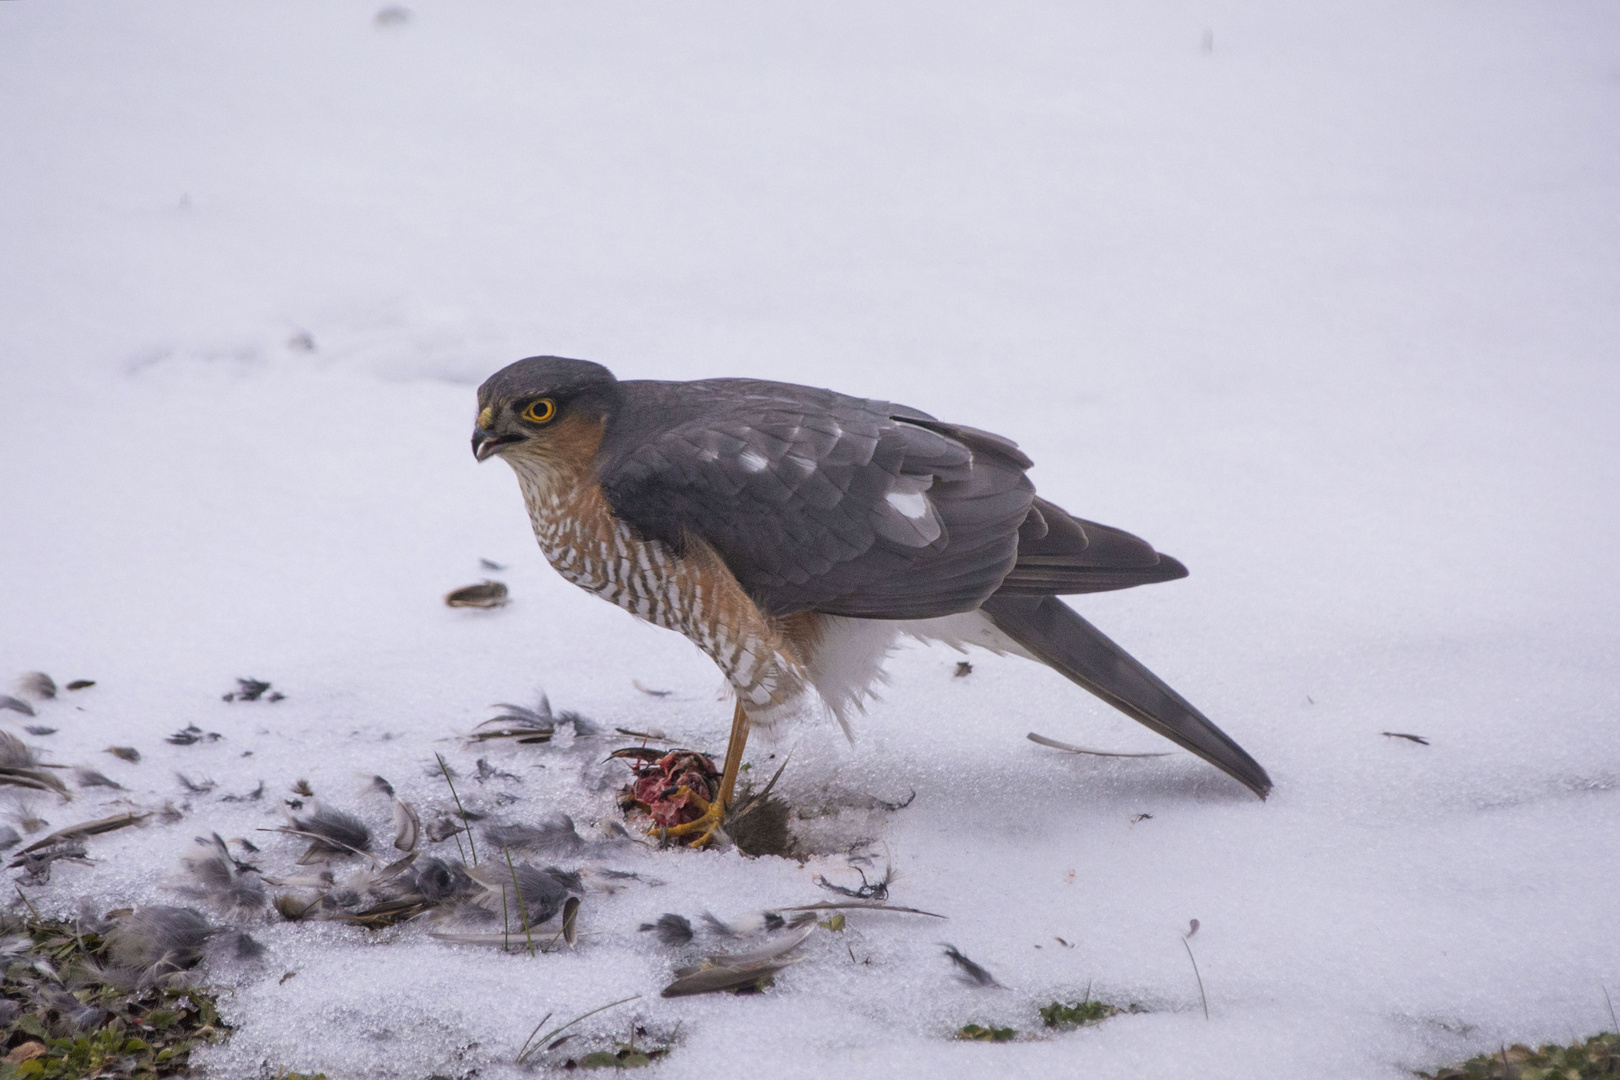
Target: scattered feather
[214,875]
[127,753]
[649,691]
[245,947]
[191,733]
[252,690]
[671,929]
[519,722]
[195,787]
[40,729]
[441,880]
[490,564]
[37,864]
[9,837]
[92,778]
[969,971]
[407,825]
[486,771]
[869,890]
[713,980]
[485,595]
[554,835]
[570,921]
[81,684]
[1072,749]
[89,828]
[963,669]
[331,833]
[854,905]
[736,971]
[37,684]
[301,787]
[1420,740]
[538,894]
[14,754]
[16,705]
[158,941]
[18,767]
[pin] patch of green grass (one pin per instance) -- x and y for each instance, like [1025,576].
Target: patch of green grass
[73,1020]
[1598,1056]
[624,1056]
[1080,1013]
[975,1033]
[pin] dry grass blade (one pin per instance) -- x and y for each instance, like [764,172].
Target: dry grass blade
[527,1050]
[1200,978]
[1072,749]
[462,810]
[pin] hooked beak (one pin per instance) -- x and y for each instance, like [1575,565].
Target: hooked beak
[485,443]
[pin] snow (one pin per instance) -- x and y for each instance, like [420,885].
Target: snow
[1319,298]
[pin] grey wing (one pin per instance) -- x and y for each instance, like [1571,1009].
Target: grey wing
[817,501]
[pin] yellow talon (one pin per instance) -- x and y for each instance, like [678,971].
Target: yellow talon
[713,813]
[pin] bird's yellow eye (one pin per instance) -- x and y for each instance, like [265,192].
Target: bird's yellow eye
[540,411]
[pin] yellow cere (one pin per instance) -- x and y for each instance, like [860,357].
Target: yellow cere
[486,418]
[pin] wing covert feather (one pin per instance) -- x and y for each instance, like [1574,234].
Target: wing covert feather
[816,500]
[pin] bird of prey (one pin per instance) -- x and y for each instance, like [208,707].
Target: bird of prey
[794,534]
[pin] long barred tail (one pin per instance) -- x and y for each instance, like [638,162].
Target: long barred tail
[1062,640]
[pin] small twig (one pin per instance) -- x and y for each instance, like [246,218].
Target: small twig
[522,912]
[546,1038]
[1197,976]
[462,810]
[1606,998]
[1420,740]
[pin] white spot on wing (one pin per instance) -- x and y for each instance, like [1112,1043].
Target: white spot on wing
[913,504]
[752,462]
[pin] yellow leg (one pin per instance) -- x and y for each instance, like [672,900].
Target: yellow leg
[715,812]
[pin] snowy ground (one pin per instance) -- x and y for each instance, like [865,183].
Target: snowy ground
[1321,298]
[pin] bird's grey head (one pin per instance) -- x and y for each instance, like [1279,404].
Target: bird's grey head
[545,409]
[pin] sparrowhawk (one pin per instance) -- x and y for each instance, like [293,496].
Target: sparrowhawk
[795,534]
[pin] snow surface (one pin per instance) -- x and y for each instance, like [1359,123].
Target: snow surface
[1321,298]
